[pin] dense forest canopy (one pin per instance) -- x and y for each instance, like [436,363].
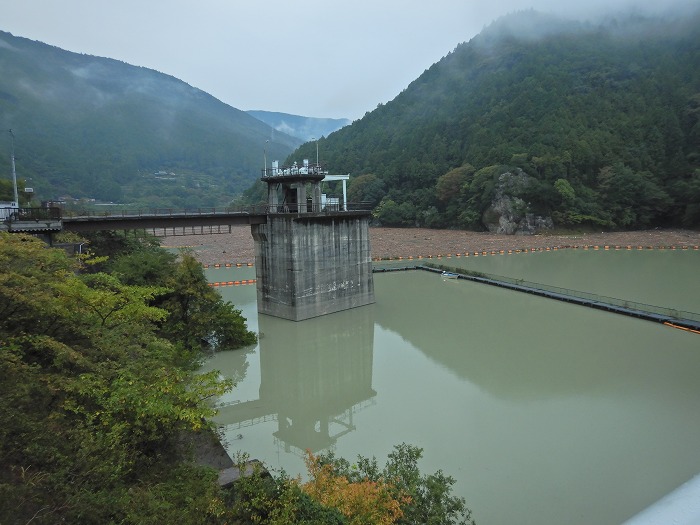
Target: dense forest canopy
[101,403]
[601,123]
[98,359]
[95,128]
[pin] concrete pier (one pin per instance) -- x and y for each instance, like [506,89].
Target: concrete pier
[313,264]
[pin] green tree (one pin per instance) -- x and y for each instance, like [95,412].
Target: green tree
[633,199]
[425,499]
[93,402]
[367,188]
[566,191]
[198,317]
[362,501]
[449,186]
[389,213]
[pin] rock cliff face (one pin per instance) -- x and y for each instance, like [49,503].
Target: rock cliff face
[508,214]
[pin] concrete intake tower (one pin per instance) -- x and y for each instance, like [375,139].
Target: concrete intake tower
[312,257]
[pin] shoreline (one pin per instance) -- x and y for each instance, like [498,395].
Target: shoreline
[237,247]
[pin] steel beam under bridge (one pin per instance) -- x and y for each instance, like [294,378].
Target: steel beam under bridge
[149,221]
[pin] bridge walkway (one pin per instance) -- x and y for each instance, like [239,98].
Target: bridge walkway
[162,221]
[689,321]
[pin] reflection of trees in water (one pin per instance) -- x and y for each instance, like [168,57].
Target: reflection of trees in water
[238,363]
[233,364]
[314,375]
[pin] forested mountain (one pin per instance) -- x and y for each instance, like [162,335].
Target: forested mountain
[91,127]
[305,128]
[597,125]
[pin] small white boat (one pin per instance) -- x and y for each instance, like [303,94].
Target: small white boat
[449,275]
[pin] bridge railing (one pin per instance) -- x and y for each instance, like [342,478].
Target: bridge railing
[309,207]
[124,211]
[622,303]
[30,214]
[255,209]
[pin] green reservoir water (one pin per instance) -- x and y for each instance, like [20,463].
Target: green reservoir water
[544,412]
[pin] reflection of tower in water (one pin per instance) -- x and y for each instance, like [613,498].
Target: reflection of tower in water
[314,376]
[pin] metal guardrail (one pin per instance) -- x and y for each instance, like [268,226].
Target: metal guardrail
[123,211]
[556,292]
[56,213]
[622,303]
[30,214]
[256,209]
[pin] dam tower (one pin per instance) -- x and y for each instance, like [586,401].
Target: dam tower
[312,256]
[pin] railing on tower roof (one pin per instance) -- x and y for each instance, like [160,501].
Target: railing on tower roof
[294,170]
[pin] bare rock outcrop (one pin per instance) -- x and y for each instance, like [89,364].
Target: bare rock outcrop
[509,214]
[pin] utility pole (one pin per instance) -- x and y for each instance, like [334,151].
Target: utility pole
[265,157]
[14,174]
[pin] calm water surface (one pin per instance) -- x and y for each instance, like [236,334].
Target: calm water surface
[544,412]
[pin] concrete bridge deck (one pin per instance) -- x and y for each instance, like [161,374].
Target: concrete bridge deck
[165,219]
[207,220]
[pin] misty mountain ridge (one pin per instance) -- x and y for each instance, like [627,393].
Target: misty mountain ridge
[304,128]
[591,125]
[598,123]
[92,127]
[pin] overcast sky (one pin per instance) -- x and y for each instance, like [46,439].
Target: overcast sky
[317,58]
